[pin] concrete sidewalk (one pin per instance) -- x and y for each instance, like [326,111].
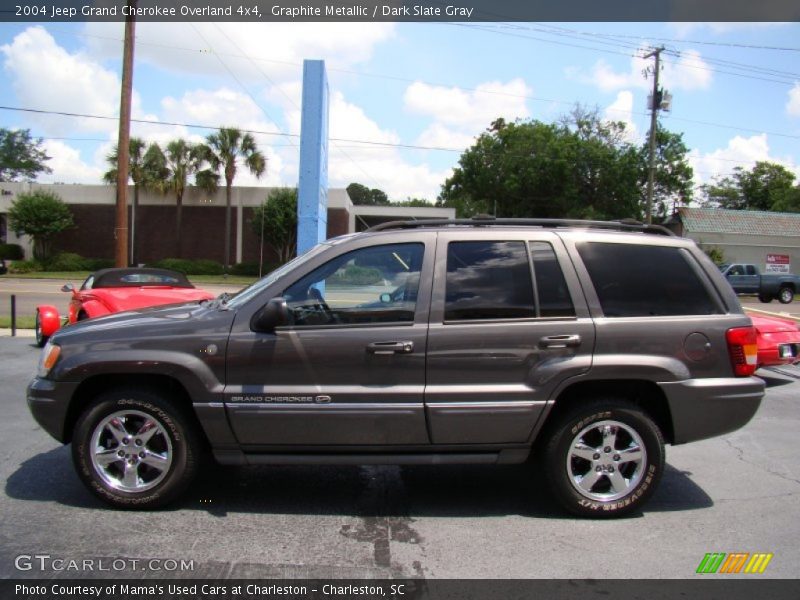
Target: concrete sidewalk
[29,333]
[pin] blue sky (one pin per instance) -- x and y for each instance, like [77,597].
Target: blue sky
[735,87]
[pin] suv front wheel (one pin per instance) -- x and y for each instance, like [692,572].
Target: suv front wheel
[134,449]
[603,459]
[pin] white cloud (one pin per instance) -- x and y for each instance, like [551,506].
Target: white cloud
[793,104]
[44,76]
[255,52]
[374,165]
[685,29]
[67,165]
[473,110]
[440,136]
[688,72]
[740,152]
[459,116]
[38,66]
[622,110]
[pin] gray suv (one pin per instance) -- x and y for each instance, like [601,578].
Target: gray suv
[583,346]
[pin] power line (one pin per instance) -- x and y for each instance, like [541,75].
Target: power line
[212,127]
[470,89]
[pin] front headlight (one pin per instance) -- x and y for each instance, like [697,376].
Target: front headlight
[48,359]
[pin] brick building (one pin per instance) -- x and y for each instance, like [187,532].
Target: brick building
[93,208]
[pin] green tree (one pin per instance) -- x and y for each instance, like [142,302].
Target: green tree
[41,215]
[361,195]
[21,157]
[276,220]
[767,186]
[145,171]
[179,161]
[225,149]
[580,168]
[415,202]
[673,184]
[607,167]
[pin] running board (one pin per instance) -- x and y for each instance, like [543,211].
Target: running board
[504,457]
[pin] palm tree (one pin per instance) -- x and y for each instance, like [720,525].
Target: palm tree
[142,171]
[181,160]
[225,148]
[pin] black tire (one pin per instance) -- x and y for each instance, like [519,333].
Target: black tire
[117,428]
[587,423]
[41,339]
[785,295]
[765,298]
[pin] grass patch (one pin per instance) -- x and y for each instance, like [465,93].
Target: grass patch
[26,322]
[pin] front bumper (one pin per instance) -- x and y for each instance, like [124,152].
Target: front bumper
[48,402]
[704,408]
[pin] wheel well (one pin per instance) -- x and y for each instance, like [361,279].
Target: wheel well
[645,394]
[94,386]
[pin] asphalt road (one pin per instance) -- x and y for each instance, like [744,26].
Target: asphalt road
[738,493]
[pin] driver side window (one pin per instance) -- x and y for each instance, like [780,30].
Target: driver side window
[370,285]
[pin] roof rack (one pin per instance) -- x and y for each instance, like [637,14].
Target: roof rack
[484,220]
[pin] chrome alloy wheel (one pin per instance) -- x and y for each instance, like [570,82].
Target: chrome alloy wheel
[606,461]
[131,451]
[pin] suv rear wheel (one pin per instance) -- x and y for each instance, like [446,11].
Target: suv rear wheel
[133,449]
[603,459]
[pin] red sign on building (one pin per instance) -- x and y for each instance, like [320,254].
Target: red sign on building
[778,263]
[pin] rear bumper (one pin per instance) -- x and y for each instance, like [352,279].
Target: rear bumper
[704,408]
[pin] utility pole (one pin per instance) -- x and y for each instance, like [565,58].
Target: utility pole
[123,142]
[656,103]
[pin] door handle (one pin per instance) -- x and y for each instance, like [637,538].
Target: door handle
[560,341]
[390,348]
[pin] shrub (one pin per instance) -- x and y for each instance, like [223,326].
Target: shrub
[205,266]
[715,254]
[25,266]
[68,261]
[95,264]
[190,267]
[11,252]
[248,269]
[40,214]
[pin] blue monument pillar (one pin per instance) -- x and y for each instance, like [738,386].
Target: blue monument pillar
[312,200]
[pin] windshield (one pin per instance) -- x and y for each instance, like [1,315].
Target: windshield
[256,288]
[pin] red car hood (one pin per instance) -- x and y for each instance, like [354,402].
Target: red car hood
[129,298]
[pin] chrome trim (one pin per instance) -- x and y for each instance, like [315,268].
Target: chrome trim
[329,406]
[484,404]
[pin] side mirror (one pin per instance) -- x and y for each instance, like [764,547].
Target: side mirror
[274,314]
[67,287]
[385,298]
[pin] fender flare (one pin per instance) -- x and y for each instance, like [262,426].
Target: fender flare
[93,308]
[49,319]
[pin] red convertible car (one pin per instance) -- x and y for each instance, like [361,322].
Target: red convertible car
[778,341]
[114,290]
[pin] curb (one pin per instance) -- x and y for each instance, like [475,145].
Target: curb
[22,333]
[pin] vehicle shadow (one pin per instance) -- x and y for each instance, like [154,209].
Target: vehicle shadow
[366,491]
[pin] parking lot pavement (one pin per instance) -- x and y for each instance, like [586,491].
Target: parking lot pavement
[738,493]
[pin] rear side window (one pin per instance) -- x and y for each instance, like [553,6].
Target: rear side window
[551,287]
[488,280]
[635,281]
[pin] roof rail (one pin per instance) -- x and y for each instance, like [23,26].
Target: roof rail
[485,220]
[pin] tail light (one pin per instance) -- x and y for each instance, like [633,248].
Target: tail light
[743,348]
